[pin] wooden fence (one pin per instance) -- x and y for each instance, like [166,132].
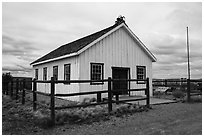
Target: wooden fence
[183,83]
[20,85]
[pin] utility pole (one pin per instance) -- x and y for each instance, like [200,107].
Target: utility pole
[189,75]
[188,54]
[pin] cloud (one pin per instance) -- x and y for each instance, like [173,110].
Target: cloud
[17,54]
[16,47]
[31,30]
[21,49]
[186,14]
[16,68]
[171,53]
[168,41]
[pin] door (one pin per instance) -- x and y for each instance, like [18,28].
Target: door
[120,73]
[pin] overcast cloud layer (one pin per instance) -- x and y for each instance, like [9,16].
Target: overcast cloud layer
[30,30]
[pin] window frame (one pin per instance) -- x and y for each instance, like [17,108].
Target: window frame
[36,74]
[102,73]
[144,74]
[57,73]
[68,73]
[45,74]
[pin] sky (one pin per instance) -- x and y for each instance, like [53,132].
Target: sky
[31,30]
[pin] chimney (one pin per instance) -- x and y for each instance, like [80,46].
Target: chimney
[120,20]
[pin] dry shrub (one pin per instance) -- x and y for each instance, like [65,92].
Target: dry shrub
[93,100]
[86,100]
[70,117]
[62,117]
[178,94]
[43,120]
[158,94]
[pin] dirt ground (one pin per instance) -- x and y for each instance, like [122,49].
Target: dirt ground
[168,119]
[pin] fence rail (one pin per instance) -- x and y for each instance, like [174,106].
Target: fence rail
[20,87]
[189,86]
[81,93]
[178,81]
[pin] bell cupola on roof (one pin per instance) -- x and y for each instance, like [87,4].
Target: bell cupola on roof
[120,20]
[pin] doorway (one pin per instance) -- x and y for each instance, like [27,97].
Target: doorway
[121,86]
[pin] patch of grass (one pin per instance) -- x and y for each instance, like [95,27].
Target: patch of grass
[194,99]
[93,114]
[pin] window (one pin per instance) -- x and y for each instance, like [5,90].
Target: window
[67,72]
[55,72]
[36,74]
[141,74]
[45,73]
[97,72]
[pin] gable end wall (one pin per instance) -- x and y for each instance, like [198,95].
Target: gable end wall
[118,49]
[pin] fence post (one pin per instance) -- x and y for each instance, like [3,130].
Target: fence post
[165,83]
[11,92]
[52,100]
[98,97]
[3,86]
[7,87]
[17,84]
[20,85]
[34,94]
[23,93]
[180,83]
[117,98]
[109,95]
[188,90]
[147,93]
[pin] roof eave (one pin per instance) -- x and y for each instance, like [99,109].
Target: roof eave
[54,59]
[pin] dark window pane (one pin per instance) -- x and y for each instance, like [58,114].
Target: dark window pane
[96,71]
[55,72]
[67,72]
[36,73]
[141,72]
[45,73]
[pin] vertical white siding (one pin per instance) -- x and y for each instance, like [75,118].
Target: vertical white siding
[116,50]
[59,88]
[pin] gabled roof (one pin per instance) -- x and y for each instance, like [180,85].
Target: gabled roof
[74,46]
[78,46]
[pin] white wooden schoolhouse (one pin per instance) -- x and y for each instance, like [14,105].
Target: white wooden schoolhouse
[112,52]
